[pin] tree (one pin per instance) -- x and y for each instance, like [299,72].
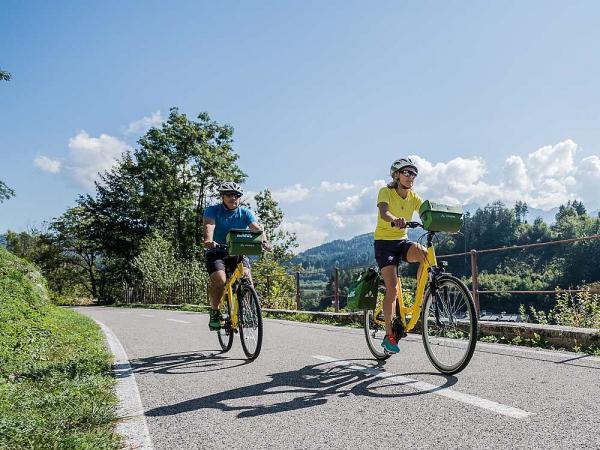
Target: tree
[269,271]
[521,211]
[6,76]
[73,235]
[5,192]
[162,186]
[39,247]
[270,216]
[180,166]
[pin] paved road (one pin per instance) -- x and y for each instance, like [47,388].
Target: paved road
[315,386]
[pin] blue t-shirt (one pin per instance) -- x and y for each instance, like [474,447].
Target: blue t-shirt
[225,220]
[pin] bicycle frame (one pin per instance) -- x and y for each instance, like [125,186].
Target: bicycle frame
[415,309]
[228,292]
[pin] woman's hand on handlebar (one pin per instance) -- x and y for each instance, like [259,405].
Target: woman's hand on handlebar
[399,222]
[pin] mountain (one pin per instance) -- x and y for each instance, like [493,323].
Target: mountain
[355,252]
[2,240]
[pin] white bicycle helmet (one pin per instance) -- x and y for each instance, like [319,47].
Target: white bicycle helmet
[230,186]
[402,163]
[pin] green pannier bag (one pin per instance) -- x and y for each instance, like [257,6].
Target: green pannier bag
[244,242]
[362,293]
[438,217]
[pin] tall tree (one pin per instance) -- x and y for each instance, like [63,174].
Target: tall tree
[521,211]
[180,166]
[270,216]
[6,76]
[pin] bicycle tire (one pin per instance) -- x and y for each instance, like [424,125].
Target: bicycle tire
[374,333]
[446,329]
[251,323]
[225,334]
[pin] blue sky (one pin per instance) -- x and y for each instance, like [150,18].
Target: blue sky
[496,100]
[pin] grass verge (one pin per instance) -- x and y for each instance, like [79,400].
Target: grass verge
[55,372]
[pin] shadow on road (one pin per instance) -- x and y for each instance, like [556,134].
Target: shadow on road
[310,386]
[188,362]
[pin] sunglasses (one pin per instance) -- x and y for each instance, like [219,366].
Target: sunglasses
[232,194]
[408,173]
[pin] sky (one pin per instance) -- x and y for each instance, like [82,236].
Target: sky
[494,100]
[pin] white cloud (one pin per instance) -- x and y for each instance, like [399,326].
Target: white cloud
[308,235]
[545,178]
[47,165]
[363,201]
[88,156]
[291,194]
[327,186]
[145,123]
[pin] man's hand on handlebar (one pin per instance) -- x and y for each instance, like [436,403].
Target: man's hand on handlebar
[210,244]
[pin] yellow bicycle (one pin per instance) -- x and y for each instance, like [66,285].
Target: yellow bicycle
[240,309]
[448,317]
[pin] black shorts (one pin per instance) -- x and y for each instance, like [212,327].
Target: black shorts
[219,259]
[389,253]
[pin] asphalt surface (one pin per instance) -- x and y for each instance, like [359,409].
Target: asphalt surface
[316,386]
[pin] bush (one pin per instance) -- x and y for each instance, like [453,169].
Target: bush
[580,309]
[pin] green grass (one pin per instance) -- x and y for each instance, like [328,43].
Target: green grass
[55,372]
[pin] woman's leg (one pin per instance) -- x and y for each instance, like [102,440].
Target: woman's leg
[390,278]
[416,254]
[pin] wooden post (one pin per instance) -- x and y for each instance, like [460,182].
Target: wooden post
[475,282]
[268,286]
[336,292]
[298,305]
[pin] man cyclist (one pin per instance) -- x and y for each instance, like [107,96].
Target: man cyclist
[396,203]
[218,220]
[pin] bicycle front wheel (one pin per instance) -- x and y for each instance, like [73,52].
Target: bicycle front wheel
[225,334]
[375,328]
[449,325]
[251,323]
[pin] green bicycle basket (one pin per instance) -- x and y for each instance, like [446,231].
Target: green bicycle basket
[438,217]
[244,242]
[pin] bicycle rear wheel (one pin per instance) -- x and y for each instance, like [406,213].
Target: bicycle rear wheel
[449,325]
[251,324]
[375,329]
[225,334]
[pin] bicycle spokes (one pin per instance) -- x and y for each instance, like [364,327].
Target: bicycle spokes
[449,325]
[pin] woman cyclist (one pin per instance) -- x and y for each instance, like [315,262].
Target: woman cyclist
[218,220]
[396,203]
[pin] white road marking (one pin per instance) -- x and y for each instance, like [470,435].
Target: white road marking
[433,389]
[179,321]
[132,426]
[146,315]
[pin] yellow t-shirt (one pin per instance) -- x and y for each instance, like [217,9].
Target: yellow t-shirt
[399,207]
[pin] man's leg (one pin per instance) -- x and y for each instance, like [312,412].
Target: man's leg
[215,288]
